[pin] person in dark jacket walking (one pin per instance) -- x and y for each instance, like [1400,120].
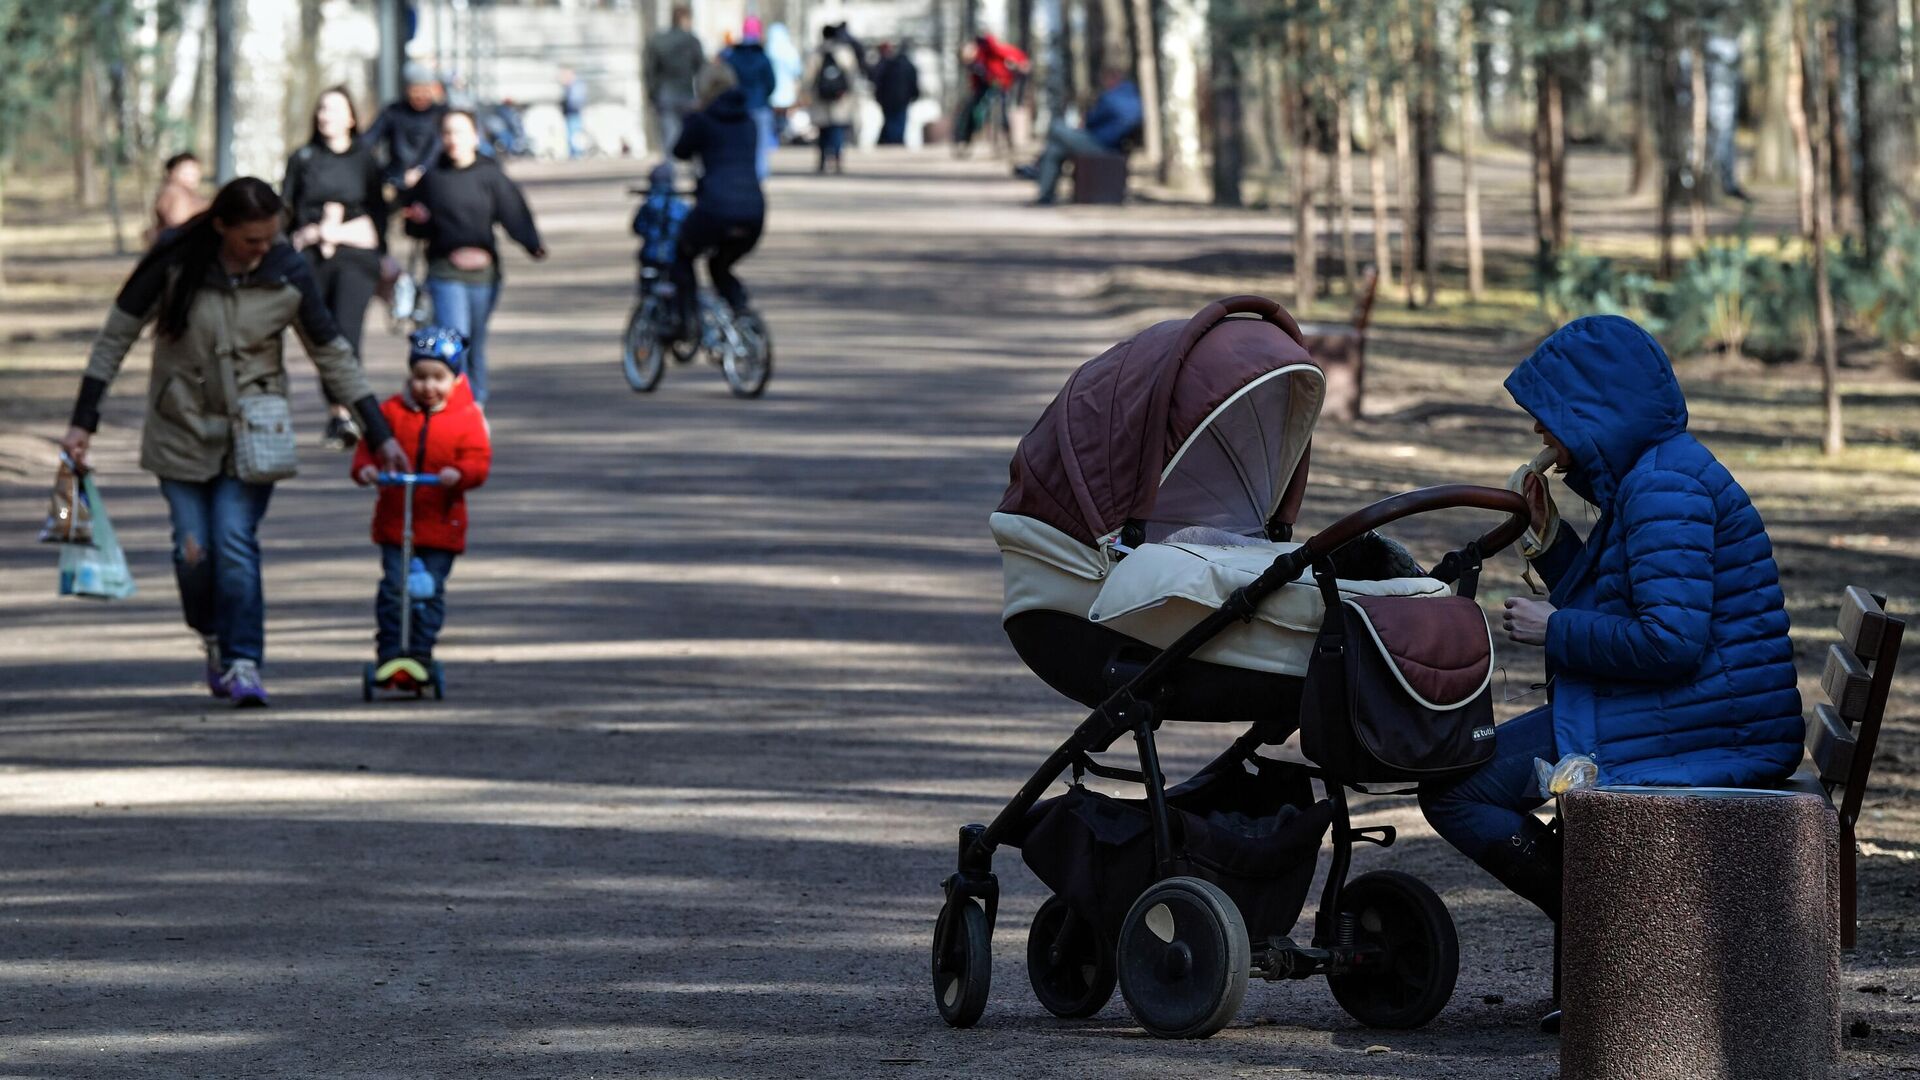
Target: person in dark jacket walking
[729,210]
[669,64]
[754,72]
[896,86]
[337,218]
[1666,630]
[408,131]
[455,208]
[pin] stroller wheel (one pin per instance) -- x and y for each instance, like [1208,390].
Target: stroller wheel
[1183,958]
[1400,915]
[962,962]
[1070,967]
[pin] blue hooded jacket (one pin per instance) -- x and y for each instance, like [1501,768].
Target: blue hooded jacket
[1668,653]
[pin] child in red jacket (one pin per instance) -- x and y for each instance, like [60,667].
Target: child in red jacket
[443,431]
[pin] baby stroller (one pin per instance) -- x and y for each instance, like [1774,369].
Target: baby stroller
[1150,575]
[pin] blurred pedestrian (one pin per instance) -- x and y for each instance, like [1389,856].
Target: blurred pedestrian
[789,66]
[179,197]
[223,290]
[408,131]
[573,104]
[828,94]
[671,62]
[729,210]
[896,86]
[1114,120]
[756,79]
[994,70]
[337,219]
[455,209]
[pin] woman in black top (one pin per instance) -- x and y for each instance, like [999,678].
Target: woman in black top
[728,209]
[337,218]
[455,207]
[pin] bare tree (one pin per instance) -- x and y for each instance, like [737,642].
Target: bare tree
[1470,185]
[1812,148]
[1377,165]
[1146,63]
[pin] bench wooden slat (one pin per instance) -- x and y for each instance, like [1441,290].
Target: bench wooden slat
[1847,683]
[1862,622]
[1830,743]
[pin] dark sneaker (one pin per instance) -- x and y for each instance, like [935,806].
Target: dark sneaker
[341,434]
[1026,172]
[243,685]
[216,672]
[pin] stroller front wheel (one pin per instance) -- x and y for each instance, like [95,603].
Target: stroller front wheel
[962,962]
[1416,952]
[1068,962]
[1183,959]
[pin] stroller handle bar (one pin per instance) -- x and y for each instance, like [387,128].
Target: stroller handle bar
[1424,500]
[387,479]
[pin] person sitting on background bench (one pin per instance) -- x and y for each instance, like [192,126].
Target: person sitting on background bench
[1114,119]
[1666,630]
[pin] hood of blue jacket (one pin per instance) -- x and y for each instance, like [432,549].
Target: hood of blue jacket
[1604,388]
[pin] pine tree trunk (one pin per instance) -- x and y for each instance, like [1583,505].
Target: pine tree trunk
[1343,165]
[1645,165]
[1667,122]
[1840,140]
[1306,255]
[1427,143]
[1403,160]
[1813,147]
[1377,174]
[1885,139]
[1543,82]
[1697,148]
[1469,183]
[1147,67]
[1229,124]
[1183,42]
[85,131]
[5,166]
[1776,150]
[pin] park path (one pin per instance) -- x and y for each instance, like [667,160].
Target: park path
[724,678]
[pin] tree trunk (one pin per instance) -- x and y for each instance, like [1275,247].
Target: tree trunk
[1183,42]
[1273,127]
[1427,143]
[1403,162]
[1545,102]
[1812,146]
[1776,150]
[1469,184]
[1229,125]
[1377,173]
[1645,157]
[1885,138]
[85,131]
[1306,255]
[1840,149]
[1147,67]
[1667,121]
[5,165]
[1697,147]
[1343,163]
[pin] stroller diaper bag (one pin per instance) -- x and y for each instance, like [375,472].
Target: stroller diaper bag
[1398,689]
[1257,836]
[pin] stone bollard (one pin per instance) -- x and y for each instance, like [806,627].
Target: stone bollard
[1700,936]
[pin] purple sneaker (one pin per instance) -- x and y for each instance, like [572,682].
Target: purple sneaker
[216,671]
[242,683]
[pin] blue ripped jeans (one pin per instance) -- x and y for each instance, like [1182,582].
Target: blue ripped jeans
[1479,813]
[429,614]
[466,307]
[216,560]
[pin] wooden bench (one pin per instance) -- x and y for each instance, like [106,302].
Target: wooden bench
[1844,729]
[1340,351]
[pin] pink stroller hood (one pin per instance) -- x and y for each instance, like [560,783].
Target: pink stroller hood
[1202,421]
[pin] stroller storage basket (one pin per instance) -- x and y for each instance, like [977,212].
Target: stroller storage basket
[1257,836]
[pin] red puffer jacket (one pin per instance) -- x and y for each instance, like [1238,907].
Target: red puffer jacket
[456,436]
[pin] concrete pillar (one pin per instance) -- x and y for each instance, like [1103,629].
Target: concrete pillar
[1701,935]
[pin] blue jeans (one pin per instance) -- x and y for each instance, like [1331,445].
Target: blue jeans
[573,135]
[833,144]
[429,615]
[763,153]
[216,560]
[1478,814]
[460,306]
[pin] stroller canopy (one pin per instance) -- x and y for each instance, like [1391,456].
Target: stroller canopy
[1202,421]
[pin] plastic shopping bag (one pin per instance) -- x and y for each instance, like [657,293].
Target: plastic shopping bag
[1573,772]
[69,520]
[99,569]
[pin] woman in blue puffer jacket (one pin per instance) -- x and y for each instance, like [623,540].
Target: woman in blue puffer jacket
[1666,630]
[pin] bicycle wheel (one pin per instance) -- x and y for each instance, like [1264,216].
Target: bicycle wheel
[642,356]
[747,360]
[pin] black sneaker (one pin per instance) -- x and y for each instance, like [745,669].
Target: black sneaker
[341,434]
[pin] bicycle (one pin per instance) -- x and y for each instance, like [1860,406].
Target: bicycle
[739,343]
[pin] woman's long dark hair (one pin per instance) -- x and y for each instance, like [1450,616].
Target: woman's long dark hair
[195,245]
[353,112]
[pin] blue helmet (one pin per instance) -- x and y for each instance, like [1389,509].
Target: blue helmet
[439,343]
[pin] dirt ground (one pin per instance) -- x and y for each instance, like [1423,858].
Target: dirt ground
[725,677]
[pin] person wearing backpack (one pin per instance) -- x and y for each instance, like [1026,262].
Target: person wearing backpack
[828,93]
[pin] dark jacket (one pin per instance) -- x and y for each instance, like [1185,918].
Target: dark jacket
[671,60]
[1668,654]
[408,139]
[1116,115]
[755,72]
[464,205]
[724,138]
[317,176]
[896,83]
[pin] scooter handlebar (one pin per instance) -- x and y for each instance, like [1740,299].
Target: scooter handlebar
[394,479]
